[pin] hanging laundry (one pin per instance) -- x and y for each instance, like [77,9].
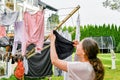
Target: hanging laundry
[19,72]
[67,35]
[25,64]
[0,57]
[8,18]
[35,2]
[3,68]
[34,29]
[4,41]
[40,65]
[77,37]
[10,5]
[57,71]
[19,37]
[63,46]
[17,57]
[2,54]
[19,1]
[2,31]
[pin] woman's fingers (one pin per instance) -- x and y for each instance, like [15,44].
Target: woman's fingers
[75,43]
[52,36]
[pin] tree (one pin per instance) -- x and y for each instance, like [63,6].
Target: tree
[112,4]
[52,21]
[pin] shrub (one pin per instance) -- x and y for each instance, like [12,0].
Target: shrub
[118,48]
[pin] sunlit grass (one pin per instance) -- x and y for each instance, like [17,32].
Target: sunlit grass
[109,73]
[106,60]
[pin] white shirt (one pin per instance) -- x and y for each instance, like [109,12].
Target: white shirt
[80,71]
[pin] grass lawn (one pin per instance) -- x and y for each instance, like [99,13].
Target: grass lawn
[109,73]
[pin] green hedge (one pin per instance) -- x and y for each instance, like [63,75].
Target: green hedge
[97,30]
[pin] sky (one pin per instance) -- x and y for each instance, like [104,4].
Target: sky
[91,12]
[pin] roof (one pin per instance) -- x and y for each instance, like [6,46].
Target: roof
[46,6]
[41,4]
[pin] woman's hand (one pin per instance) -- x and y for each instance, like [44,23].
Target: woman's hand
[52,37]
[76,42]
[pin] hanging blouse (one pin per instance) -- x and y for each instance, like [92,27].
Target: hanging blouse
[2,31]
[19,37]
[34,29]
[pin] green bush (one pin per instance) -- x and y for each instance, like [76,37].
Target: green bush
[4,79]
[118,48]
[97,31]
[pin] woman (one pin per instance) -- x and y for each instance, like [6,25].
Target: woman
[89,67]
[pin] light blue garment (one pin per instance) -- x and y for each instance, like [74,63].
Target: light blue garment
[8,18]
[25,64]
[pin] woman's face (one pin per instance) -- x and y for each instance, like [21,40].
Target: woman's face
[79,50]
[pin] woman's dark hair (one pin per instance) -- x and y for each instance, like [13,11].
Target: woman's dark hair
[91,49]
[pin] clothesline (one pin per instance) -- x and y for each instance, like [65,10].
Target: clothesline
[26,19]
[66,8]
[33,50]
[31,53]
[62,22]
[59,25]
[60,15]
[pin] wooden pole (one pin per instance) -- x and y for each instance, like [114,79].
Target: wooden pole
[15,5]
[65,19]
[59,25]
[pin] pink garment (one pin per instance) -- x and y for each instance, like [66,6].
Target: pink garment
[34,29]
[2,31]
